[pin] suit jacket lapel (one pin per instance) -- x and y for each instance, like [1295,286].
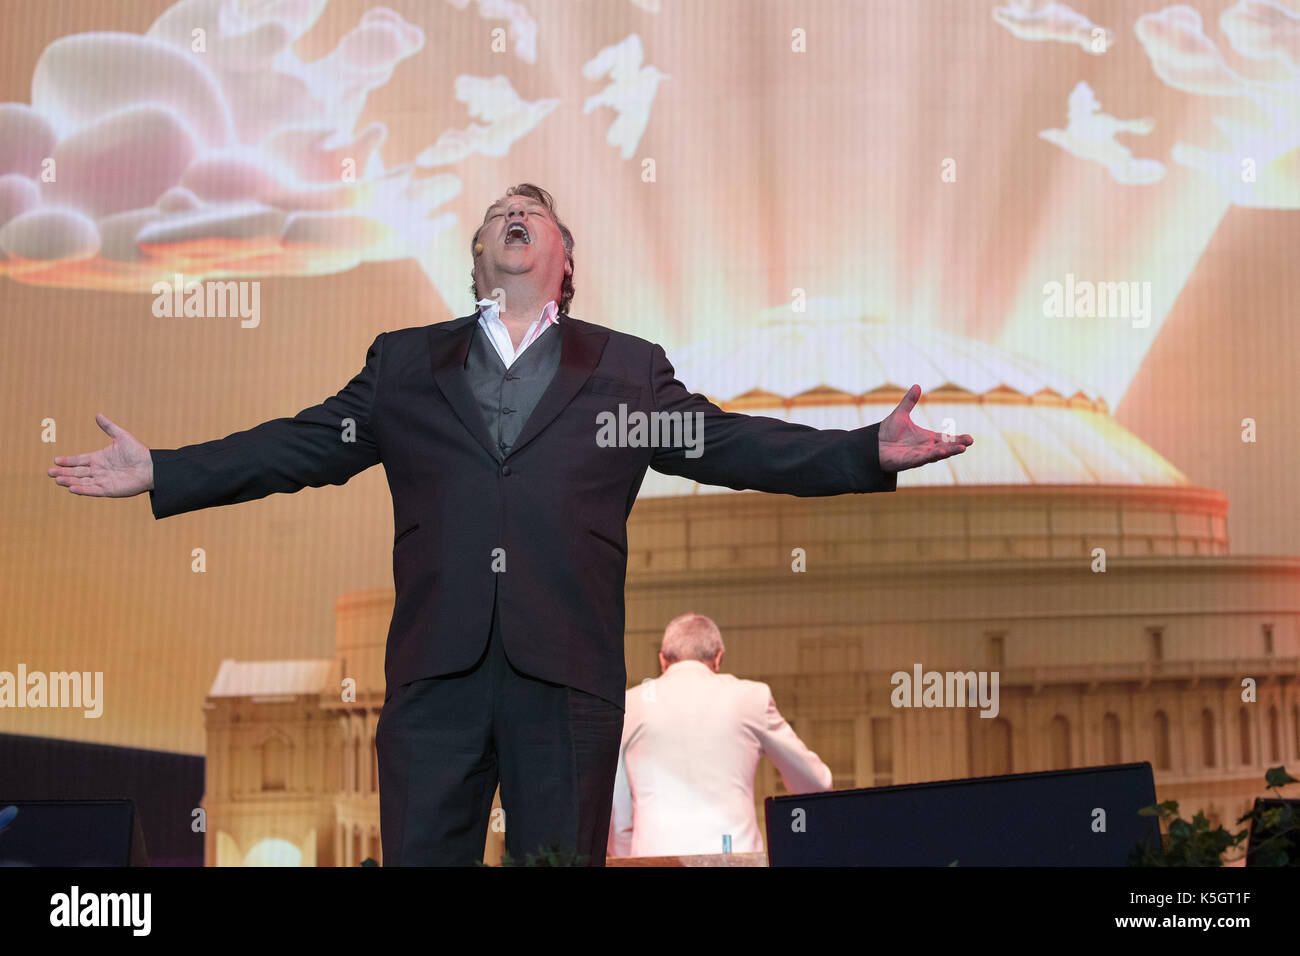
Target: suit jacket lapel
[580,348]
[448,348]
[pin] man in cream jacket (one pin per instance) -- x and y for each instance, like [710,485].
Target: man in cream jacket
[692,739]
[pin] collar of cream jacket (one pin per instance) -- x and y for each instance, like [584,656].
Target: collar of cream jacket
[688,665]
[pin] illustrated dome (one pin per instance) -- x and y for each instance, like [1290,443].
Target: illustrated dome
[1032,425]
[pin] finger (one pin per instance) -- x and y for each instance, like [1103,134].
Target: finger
[939,450]
[83,486]
[111,430]
[909,400]
[72,460]
[81,471]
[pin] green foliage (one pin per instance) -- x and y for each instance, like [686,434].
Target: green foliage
[1195,844]
[1277,777]
[554,855]
[1280,824]
[1184,844]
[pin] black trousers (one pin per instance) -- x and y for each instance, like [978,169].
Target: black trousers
[443,744]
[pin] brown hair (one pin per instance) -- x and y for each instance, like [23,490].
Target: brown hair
[543,197]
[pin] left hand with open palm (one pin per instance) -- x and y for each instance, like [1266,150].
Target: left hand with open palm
[904,444]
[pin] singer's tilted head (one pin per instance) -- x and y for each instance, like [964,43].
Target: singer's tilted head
[522,244]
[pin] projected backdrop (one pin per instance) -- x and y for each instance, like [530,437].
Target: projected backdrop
[1104,189]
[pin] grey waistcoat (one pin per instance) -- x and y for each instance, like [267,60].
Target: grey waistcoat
[508,396]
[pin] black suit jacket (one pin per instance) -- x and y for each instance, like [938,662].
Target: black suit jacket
[557,505]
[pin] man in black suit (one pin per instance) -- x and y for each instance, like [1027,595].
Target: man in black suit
[514,440]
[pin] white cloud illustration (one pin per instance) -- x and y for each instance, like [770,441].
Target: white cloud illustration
[521,27]
[207,146]
[1262,168]
[1054,22]
[1183,56]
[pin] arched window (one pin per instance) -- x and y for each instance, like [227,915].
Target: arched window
[1244,735]
[1060,739]
[273,852]
[1207,739]
[1161,722]
[1110,747]
[1274,736]
[274,764]
[356,764]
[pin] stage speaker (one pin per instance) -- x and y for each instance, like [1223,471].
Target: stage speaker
[71,833]
[1086,817]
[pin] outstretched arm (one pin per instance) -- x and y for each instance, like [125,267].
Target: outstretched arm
[753,452]
[325,444]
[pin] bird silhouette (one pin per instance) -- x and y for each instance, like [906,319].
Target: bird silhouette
[630,93]
[508,115]
[1090,134]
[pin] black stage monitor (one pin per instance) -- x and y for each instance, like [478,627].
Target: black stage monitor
[70,833]
[1085,817]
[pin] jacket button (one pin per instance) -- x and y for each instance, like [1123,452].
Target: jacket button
[505,470]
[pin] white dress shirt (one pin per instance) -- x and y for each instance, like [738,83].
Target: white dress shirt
[489,320]
[691,742]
